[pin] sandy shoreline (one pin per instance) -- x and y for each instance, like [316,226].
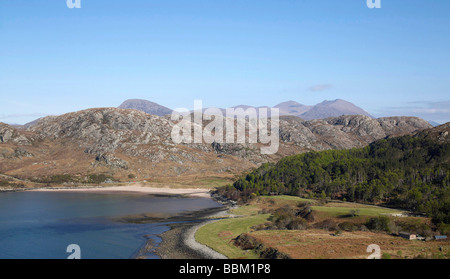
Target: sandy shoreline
[195,192]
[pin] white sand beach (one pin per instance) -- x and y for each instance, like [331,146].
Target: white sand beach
[136,188]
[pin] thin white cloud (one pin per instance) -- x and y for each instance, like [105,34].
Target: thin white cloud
[435,111]
[20,118]
[18,115]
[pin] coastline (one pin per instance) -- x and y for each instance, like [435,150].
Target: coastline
[179,241]
[138,188]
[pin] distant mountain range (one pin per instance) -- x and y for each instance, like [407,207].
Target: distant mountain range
[434,123]
[135,140]
[322,110]
[145,106]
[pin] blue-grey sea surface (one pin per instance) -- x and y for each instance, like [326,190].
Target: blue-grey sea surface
[41,225]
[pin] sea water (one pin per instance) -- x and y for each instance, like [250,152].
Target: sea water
[41,225]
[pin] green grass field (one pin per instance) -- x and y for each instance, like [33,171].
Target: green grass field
[333,208]
[212,182]
[218,235]
[290,198]
[336,211]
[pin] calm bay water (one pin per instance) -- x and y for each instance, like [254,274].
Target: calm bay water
[42,224]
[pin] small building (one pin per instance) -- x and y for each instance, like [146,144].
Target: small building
[419,237]
[407,235]
[440,237]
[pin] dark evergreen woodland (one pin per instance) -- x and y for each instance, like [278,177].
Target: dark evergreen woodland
[405,172]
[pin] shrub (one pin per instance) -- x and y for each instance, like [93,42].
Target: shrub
[327,224]
[297,224]
[414,226]
[380,224]
[307,213]
[98,178]
[245,242]
[302,204]
[354,212]
[287,218]
[443,228]
[283,216]
[61,178]
[348,226]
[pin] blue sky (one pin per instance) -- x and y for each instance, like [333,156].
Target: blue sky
[389,61]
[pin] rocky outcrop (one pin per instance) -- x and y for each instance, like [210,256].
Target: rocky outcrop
[345,132]
[10,135]
[112,161]
[242,150]
[17,153]
[440,133]
[20,153]
[106,130]
[6,133]
[400,125]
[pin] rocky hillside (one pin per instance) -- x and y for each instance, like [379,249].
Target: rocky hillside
[131,143]
[105,130]
[11,135]
[441,133]
[345,132]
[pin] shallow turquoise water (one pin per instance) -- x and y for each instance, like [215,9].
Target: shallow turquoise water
[42,224]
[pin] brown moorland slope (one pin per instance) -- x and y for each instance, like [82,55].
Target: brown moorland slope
[133,145]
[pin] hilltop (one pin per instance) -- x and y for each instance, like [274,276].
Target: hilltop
[322,110]
[146,106]
[332,109]
[130,144]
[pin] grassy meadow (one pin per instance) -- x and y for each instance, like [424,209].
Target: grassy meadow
[219,235]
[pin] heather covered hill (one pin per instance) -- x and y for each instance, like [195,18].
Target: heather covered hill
[126,142]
